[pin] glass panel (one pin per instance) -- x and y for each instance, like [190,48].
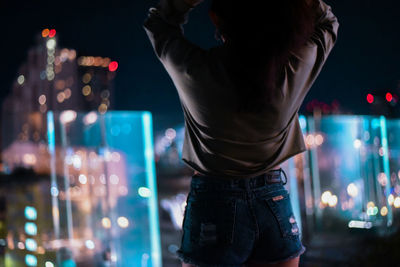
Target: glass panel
[349,170]
[96,203]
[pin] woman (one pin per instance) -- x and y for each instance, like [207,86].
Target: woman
[240,102]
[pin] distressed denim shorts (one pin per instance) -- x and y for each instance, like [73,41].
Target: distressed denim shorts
[233,222]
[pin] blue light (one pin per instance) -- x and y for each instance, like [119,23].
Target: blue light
[151,180]
[30,213]
[30,244]
[30,228]
[30,260]
[50,132]
[375,123]
[303,122]
[386,164]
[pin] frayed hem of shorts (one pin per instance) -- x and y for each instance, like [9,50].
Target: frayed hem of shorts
[189,260]
[295,255]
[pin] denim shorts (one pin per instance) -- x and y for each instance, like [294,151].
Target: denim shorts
[233,222]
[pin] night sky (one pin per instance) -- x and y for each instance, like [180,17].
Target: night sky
[366,56]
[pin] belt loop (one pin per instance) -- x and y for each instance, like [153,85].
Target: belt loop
[285,176]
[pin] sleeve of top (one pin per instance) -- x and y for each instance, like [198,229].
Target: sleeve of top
[305,65]
[164,27]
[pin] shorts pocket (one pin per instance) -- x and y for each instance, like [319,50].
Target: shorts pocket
[280,206]
[212,222]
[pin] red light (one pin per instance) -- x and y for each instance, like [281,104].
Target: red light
[370,98]
[389,97]
[113,66]
[52,33]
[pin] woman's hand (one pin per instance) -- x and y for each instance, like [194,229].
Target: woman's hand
[193,3]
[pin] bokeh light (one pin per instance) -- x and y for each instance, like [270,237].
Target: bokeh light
[370,98]
[144,192]
[384,211]
[396,202]
[45,33]
[352,190]
[52,33]
[123,222]
[326,197]
[113,66]
[106,222]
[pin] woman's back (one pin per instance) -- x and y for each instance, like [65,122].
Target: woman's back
[219,139]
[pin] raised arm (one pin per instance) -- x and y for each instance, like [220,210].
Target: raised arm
[305,65]
[165,31]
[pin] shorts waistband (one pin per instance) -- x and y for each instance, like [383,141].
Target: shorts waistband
[270,177]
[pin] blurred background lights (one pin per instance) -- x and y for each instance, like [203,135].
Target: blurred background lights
[87,77]
[396,202]
[45,33]
[60,97]
[30,228]
[319,139]
[29,159]
[115,156]
[30,244]
[114,179]
[389,97]
[370,98]
[86,90]
[68,116]
[21,245]
[21,79]
[30,260]
[67,93]
[352,190]
[144,192]
[333,201]
[89,244]
[113,66]
[90,118]
[303,122]
[102,108]
[42,99]
[384,211]
[382,179]
[54,191]
[52,33]
[310,139]
[372,211]
[30,213]
[49,264]
[106,222]
[170,133]
[390,199]
[357,143]
[360,224]
[123,222]
[77,162]
[51,44]
[82,179]
[325,197]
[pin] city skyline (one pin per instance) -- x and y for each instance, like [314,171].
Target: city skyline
[363,61]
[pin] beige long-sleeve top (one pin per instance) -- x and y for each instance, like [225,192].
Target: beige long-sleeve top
[218,141]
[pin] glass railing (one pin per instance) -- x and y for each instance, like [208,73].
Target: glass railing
[85,195]
[84,190]
[347,179]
